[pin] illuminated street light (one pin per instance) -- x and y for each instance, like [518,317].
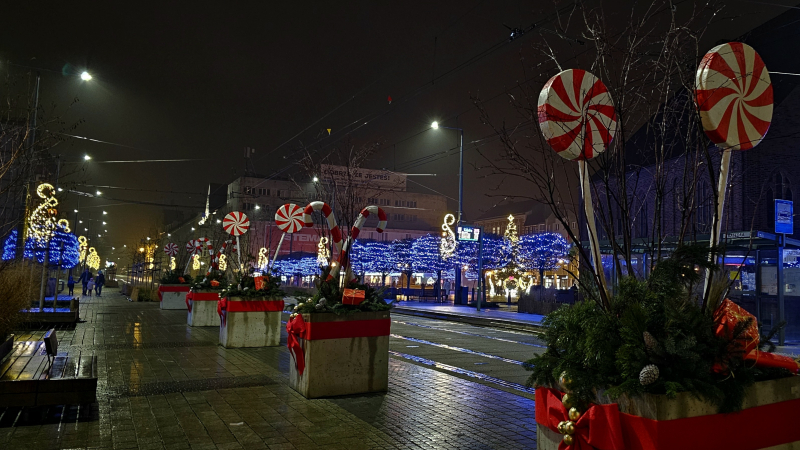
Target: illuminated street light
[258,207]
[104,223]
[435,125]
[99,193]
[76,211]
[316,179]
[85,76]
[104,213]
[86,157]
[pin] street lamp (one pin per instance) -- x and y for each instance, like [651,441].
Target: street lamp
[104,213]
[85,76]
[315,179]
[435,126]
[86,157]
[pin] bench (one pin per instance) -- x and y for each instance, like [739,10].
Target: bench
[29,377]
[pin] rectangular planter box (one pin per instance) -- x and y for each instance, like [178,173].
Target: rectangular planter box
[251,328]
[204,312]
[763,394]
[342,366]
[172,298]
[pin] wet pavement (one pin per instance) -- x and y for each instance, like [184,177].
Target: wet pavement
[163,385]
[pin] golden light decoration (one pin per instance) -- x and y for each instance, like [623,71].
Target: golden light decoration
[196,262]
[64,224]
[42,221]
[93,260]
[447,246]
[322,251]
[84,245]
[223,263]
[171,263]
[263,258]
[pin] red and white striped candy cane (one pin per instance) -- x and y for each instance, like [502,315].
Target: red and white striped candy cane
[215,262]
[354,232]
[336,233]
[205,242]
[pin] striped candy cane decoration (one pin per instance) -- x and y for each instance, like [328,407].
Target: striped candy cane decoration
[354,232]
[215,262]
[336,233]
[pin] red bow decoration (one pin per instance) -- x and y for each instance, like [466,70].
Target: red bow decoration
[726,317]
[296,328]
[597,428]
[222,306]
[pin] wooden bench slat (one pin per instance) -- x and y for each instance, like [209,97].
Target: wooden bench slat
[33,368]
[56,369]
[71,367]
[20,348]
[87,364]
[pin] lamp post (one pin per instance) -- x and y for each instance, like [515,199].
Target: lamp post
[435,125]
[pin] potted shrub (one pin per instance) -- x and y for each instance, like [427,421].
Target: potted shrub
[250,313]
[173,289]
[201,301]
[658,368]
[339,341]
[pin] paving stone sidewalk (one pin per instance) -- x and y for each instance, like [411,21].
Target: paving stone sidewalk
[163,385]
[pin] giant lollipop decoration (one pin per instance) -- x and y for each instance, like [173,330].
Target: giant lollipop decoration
[236,224]
[192,249]
[171,249]
[577,118]
[734,98]
[289,219]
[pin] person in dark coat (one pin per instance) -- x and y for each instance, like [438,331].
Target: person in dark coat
[71,284]
[99,282]
[84,279]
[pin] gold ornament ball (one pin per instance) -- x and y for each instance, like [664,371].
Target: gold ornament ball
[567,401]
[574,414]
[564,381]
[569,428]
[568,439]
[561,427]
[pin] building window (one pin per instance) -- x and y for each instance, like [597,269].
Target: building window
[268,192]
[262,191]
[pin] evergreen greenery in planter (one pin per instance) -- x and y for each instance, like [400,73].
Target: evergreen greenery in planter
[214,281]
[655,337]
[175,277]
[246,288]
[328,298]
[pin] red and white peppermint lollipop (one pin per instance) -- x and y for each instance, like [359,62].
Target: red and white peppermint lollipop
[734,96]
[289,218]
[576,115]
[236,223]
[192,247]
[171,249]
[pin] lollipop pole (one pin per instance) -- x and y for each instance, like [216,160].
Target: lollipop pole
[186,270]
[269,267]
[716,231]
[239,253]
[594,243]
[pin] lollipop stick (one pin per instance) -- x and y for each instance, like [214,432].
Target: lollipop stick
[716,232]
[588,207]
[269,267]
[186,270]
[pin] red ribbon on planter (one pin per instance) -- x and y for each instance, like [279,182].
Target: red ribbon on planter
[298,328]
[162,288]
[224,306]
[749,429]
[200,297]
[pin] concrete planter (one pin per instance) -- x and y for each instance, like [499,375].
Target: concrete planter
[203,310]
[760,401]
[173,296]
[343,365]
[250,322]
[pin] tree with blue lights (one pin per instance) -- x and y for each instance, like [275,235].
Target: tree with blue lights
[402,257]
[372,256]
[10,246]
[543,251]
[64,249]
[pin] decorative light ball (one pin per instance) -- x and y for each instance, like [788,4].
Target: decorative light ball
[574,414]
[296,307]
[568,439]
[569,428]
[648,375]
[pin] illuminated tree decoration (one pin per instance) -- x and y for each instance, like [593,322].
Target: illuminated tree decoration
[543,251]
[447,246]
[42,220]
[263,258]
[323,254]
[10,246]
[196,262]
[427,256]
[93,259]
[223,263]
[60,241]
[171,263]
[304,266]
[83,246]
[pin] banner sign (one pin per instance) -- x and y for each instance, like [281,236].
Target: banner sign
[784,217]
[383,179]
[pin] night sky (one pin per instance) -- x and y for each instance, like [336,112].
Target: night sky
[204,81]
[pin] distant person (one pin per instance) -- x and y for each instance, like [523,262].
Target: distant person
[71,284]
[90,286]
[84,279]
[100,282]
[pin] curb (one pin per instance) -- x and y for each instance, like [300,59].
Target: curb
[472,320]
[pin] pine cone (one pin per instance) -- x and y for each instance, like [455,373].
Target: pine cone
[650,343]
[648,375]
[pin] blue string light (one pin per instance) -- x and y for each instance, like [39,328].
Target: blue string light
[10,246]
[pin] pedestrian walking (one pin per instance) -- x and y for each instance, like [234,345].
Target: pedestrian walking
[100,282]
[90,286]
[71,284]
[84,279]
